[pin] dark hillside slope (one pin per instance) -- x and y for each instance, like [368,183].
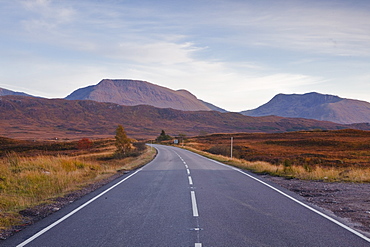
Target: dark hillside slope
[27,117]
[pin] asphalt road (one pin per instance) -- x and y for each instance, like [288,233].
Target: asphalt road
[183,199]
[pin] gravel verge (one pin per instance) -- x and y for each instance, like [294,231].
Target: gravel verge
[350,201]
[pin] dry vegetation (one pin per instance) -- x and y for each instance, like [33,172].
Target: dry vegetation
[38,172]
[36,118]
[342,155]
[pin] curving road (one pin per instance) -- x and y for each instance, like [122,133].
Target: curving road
[183,199]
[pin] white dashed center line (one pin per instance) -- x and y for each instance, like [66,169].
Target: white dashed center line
[190,180]
[194,204]
[193,200]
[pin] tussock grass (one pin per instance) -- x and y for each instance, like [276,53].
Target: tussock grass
[30,181]
[341,155]
[290,170]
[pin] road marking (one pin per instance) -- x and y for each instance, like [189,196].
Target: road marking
[308,207]
[193,199]
[38,234]
[194,204]
[299,202]
[190,180]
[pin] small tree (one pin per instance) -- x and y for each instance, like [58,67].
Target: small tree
[123,143]
[163,137]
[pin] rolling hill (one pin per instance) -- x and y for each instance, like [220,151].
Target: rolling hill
[38,118]
[315,106]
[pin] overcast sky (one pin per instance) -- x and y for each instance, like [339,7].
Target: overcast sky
[236,54]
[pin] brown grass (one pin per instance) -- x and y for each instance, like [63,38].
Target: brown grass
[32,180]
[317,155]
[329,174]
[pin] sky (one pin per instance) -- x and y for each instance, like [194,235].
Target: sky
[236,54]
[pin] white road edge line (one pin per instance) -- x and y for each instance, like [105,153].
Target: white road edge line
[190,180]
[299,202]
[310,208]
[194,204]
[38,234]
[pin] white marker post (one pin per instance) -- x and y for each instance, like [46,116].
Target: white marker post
[231,148]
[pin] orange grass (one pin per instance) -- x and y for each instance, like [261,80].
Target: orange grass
[30,181]
[320,155]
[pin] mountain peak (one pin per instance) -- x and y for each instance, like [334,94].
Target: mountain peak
[315,106]
[136,92]
[312,96]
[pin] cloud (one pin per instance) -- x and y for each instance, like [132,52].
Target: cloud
[156,52]
[231,53]
[283,81]
[45,15]
[316,27]
[220,83]
[321,27]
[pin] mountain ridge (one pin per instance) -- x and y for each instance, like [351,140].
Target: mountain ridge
[136,92]
[4,92]
[323,107]
[38,118]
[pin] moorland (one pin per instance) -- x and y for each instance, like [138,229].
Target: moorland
[51,162]
[330,169]
[38,178]
[39,119]
[344,151]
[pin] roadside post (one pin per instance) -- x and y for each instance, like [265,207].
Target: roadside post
[231,148]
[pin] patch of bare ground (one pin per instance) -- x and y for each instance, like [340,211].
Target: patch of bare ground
[346,200]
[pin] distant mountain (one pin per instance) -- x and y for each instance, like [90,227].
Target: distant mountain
[4,92]
[37,118]
[315,106]
[134,92]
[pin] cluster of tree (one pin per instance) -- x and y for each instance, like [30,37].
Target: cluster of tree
[124,145]
[127,147]
[163,137]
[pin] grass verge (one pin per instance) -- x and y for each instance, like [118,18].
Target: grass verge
[30,181]
[288,170]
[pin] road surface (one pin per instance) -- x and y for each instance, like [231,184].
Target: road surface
[183,199]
